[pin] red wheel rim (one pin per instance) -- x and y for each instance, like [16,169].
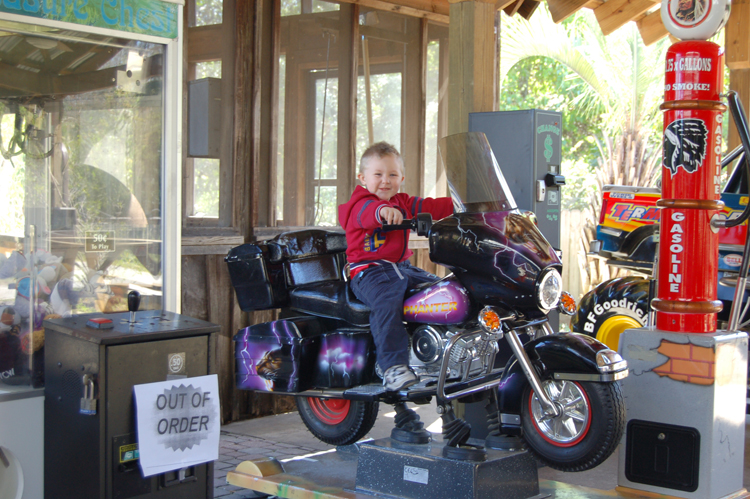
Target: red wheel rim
[329,411]
[584,431]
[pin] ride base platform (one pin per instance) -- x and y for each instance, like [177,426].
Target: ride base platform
[383,468]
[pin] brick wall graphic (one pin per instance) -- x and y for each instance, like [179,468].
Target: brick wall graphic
[689,363]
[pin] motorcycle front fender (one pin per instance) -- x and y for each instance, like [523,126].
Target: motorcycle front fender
[557,356]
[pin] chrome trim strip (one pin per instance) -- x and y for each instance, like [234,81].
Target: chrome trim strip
[616,367]
[474,389]
[735,248]
[630,188]
[601,378]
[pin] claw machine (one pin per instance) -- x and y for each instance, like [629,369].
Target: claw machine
[90,94]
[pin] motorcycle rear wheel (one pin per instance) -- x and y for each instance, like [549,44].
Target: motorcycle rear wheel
[586,432]
[337,421]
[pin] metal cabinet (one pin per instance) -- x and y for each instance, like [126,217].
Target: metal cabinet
[86,455]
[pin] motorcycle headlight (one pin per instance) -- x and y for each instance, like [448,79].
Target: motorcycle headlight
[549,289]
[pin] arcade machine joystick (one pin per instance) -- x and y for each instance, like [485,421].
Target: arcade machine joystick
[134,301]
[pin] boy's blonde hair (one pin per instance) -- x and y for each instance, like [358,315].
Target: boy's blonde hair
[380,149]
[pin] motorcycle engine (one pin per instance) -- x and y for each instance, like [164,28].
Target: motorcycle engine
[471,355]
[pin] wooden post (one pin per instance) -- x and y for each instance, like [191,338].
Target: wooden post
[473,75]
[413,104]
[739,81]
[473,61]
[346,173]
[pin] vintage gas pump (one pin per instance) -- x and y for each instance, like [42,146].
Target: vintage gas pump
[686,402]
[691,188]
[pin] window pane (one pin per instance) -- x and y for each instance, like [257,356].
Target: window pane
[81,170]
[322,6]
[385,102]
[431,119]
[13,171]
[308,174]
[280,141]
[295,7]
[206,187]
[208,12]
[326,93]
[211,69]
[290,8]
[326,207]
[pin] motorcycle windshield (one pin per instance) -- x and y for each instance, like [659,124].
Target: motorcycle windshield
[476,183]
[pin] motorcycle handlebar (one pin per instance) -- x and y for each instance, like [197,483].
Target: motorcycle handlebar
[421,224]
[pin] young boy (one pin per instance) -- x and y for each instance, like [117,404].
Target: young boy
[378,261]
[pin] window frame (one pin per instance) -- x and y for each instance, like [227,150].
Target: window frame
[209,43]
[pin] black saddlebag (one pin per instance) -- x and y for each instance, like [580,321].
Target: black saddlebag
[262,273]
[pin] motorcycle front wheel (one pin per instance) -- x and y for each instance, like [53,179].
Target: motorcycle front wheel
[337,421]
[587,430]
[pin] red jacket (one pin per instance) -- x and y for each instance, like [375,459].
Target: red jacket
[360,218]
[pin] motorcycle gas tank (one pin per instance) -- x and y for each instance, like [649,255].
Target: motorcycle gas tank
[497,256]
[445,302]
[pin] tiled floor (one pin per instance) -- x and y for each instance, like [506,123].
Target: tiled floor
[235,448]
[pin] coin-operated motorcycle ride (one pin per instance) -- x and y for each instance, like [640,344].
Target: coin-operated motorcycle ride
[560,392]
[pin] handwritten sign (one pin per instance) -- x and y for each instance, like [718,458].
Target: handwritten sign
[178,423]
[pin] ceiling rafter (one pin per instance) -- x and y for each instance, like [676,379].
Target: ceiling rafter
[611,14]
[614,14]
[651,27]
[562,9]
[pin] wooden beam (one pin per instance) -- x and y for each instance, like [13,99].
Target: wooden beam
[473,62]
[252,23]
[615,13]
[27,82]
[651,27]
[434,10]
[501,4]
[736,41]
[413,102]
[562,9]
[512,8]
[204,43]
[346,138]
[527,8]
[78,83]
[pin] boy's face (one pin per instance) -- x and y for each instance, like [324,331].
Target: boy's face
[382,176]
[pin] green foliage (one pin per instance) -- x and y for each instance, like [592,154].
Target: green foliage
[208,12]
[605,88]
[206,187]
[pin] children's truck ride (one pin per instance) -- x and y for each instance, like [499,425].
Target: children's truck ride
[627,236]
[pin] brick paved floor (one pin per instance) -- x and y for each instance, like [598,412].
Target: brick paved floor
[235,448]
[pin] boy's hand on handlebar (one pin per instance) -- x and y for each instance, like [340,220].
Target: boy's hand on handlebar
[391,216]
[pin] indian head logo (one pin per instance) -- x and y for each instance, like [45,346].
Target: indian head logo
[685,145]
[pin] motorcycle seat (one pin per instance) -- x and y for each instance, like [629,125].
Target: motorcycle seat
[330,299]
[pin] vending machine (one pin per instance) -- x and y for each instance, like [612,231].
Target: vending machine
[90,113]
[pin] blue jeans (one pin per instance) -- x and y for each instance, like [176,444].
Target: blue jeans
[382,289]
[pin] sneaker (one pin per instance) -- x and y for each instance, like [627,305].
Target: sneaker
[399,377]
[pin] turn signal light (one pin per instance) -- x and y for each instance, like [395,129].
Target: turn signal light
[567,304]
[489,320]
